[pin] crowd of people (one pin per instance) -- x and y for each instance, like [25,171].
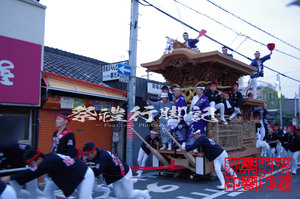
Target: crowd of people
[189,129]
[277,140]
[71,169]
[283,142]
[66,168]
[174,115]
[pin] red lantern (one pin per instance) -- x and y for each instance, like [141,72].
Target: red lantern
[202,32]
[271,46]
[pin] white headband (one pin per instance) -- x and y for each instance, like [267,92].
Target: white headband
[201,87]
[196,132]
[177,89]
[154,132]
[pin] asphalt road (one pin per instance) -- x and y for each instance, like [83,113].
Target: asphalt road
[166,186]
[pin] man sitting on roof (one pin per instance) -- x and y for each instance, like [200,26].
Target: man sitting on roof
[224,51]
[236,99]
[215,101]
[191,42]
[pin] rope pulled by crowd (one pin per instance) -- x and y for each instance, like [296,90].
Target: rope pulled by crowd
[170,167]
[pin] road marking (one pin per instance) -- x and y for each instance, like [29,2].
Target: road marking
[199,194]
[212,190]
[161,189]
[142,179]
[183,197]
[150,176]
[215,195]
[60,194]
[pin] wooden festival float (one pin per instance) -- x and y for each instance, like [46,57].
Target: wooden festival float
[187,67]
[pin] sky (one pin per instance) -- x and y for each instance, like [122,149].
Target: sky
[100,29]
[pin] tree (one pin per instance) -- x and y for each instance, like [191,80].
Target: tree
[271,96]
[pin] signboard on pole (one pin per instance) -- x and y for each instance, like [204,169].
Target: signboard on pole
[124,70]
[124,79]
[154,88]
[110,72]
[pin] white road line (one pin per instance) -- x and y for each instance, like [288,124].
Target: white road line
[200,194]
[142,179]
[215,195]
[183,197]
[60,194]
[212,190]
[150,176]
[233,194]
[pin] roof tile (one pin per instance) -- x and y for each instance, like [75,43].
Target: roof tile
[73,65]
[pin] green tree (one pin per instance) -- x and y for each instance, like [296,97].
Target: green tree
[270,95]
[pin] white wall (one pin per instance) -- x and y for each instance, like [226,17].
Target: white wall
[23,20]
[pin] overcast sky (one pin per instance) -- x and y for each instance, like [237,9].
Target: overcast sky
[100,29]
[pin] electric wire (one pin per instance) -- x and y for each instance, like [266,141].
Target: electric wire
[169,15]
[253,25]
[236,32]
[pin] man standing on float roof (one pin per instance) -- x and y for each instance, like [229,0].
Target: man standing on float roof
[257,63]
[191,42]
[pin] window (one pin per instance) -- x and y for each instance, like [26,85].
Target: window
[13,127]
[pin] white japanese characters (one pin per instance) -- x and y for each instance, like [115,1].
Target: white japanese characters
[5,73]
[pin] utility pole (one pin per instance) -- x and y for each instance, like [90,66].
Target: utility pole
[279,97]
[295,105]
[131,87]
[299,104]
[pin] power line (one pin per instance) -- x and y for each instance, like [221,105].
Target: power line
[271,76]
[253,25]
[236,32]
[290,7]
[179,14]
[213,39]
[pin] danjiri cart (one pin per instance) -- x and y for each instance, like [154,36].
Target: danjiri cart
[186,67]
